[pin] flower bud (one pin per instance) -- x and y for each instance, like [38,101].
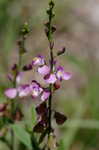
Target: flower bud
[57,85]
[39,127]
[61,51]
[53,29]
[25,29]
[51,4]
[40,109]
[27,67]
[3,107]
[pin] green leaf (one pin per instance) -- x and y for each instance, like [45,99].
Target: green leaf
[35,144]
[31,118]
[22,135]
[61,145]
[33,115]
[2,97]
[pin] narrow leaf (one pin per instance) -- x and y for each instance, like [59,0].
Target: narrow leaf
[22,135]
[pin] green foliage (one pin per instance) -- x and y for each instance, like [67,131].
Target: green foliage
[2,97]
[33,115]
[22,135]
[61,145]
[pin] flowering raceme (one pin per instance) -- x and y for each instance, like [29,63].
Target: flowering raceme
[34,89]
[52,74]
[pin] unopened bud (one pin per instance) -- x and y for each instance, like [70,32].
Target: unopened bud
[3,107]
[62,51]
[57,85]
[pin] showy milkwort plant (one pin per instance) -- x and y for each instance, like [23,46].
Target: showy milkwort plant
[52,74]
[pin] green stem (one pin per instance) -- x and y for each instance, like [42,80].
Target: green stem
[13,103]
[20,62]
[51,93]
[50,112]
[51,65]
[12,140]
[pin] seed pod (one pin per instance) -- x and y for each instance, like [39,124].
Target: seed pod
[60,118]
[40,109]
[53,29]
[39,127]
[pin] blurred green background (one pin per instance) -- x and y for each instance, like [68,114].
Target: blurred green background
[77,23]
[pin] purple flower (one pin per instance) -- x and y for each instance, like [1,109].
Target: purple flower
[39,60]
[67,75]
[36,89]
[19,77]
[45,95]
[44,70]
[50,78]
[62,75]
[23,90]
[11,93]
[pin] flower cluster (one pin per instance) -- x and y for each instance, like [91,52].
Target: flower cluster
[35,89]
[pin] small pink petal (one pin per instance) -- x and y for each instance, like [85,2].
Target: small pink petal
[23,90]
[67,75]
[62,75]
[35,92]
[45,95]
[35,88]
[39,60]
[44,70]
[59,73]
[11,93]
[19,77]
[51,78]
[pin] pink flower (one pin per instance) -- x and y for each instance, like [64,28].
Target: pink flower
[62,75]
[44,70]
[23,90]
[50,78]
[45,95]
[11,93]
[36,89]
[39,60]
